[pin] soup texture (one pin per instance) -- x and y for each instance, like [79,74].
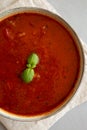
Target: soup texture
[55,74]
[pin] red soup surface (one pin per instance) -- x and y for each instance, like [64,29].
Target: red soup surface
[55,74]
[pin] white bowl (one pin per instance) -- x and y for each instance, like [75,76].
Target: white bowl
[79,46]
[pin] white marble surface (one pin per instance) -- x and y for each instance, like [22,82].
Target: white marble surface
[75,13]
[75,119]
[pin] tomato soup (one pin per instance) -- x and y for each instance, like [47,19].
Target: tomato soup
[55,74]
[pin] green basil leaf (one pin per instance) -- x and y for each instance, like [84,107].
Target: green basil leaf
[27,75]
[33,60]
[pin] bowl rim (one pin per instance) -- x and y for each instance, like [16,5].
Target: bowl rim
[71,31]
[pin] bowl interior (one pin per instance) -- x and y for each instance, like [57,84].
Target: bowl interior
[79,46]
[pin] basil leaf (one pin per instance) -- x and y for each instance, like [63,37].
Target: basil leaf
[33,60]
[27,75]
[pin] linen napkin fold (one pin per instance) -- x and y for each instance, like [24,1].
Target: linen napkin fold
[80,96]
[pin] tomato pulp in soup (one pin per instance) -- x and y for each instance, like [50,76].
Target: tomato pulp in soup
[55,74]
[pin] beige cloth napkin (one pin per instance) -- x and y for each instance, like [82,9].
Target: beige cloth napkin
[80,96]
